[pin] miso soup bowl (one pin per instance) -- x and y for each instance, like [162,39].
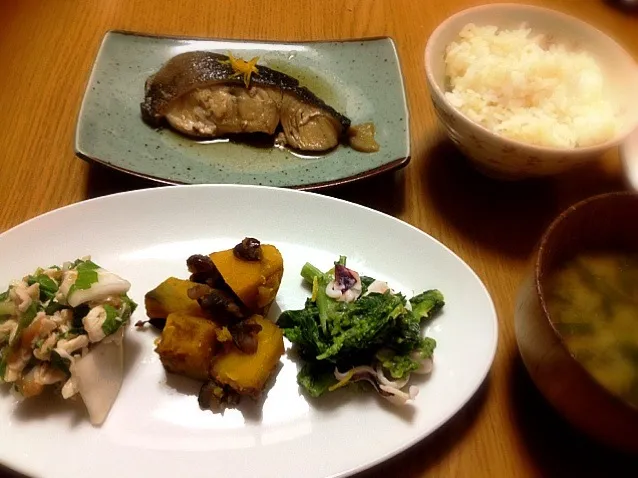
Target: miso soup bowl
[503,158]
[608,221]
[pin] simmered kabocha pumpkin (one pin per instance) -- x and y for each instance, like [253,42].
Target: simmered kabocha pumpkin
[248,373]
[171,296]
[187,345]
[214,329]
[254,282]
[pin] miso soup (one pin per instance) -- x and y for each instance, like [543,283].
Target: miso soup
[593,303]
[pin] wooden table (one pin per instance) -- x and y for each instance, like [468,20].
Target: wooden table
[46,52]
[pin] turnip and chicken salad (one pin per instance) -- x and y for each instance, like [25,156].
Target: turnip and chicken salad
[63,326]
[355,328]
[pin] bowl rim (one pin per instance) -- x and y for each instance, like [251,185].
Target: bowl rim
[629,156]
[538,267]
[539,150]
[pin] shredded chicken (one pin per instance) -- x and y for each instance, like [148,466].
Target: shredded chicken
[8,330]
[48,375]
[70,388]
[29,338]
[16,364]
[93,323]
[44,351]
[41,327]
[70,346]
[23,294]
[33,382]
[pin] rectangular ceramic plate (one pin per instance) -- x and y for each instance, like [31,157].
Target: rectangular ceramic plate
[360,78]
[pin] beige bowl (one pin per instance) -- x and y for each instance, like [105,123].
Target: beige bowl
[503,158]
[609,221]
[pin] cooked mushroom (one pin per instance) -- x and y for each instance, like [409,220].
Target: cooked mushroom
[202,270]
[219,304]
[249,249]
[244,335]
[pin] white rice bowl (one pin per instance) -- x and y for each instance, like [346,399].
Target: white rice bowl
[521,86]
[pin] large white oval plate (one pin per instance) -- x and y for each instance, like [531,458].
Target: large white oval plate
[156,427]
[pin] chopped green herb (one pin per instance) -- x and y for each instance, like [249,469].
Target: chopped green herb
[86,278]
[112,322]
[53,306]
[7,309]
[81,265]
[79,313]
[72,332]
[48,287]
[132,305]
[25,320]
[60,362]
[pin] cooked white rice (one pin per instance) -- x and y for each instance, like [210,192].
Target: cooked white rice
[516,85]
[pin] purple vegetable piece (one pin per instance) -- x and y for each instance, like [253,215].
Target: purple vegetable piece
[344,278]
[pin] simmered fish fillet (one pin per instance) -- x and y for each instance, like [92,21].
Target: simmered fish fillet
[223,109]
[199,94]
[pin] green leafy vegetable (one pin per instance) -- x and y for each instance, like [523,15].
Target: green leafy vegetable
[79,313]
[81,265]
[319,282]
[365,323]
[53,306]
[301,327]
[86,278]
[398,365]
[427,303]
[131,304]
[7,309]
[25,320]
[365,283]
[48,287]
[374,328]
[72,333]
[112,322]
[316,380]
[426,349]
[309,272]
[87,275]
[60,362]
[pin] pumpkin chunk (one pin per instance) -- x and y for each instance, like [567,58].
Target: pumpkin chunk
[248,373]
[171,296]
[187,345]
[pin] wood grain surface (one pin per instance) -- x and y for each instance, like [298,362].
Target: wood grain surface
[48,47]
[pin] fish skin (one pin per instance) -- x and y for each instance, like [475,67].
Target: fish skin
[199,69]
